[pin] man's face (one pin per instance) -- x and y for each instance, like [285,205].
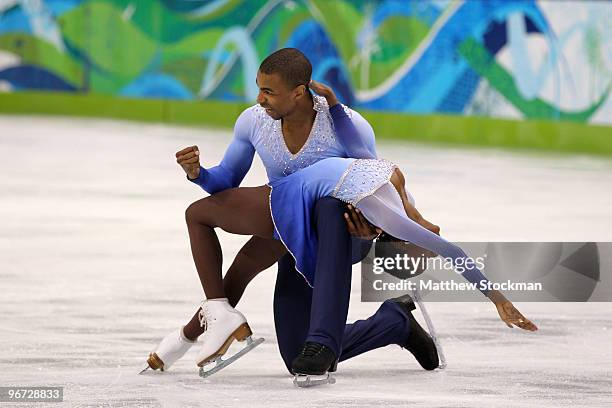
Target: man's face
[276,96]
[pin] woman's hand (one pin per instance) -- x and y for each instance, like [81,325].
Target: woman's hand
[325,91]
[511,316]
[189,160]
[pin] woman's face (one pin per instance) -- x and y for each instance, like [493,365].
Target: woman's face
[278,98]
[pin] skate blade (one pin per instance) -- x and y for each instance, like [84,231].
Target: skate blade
[432,331]
[222,363]
[306,380]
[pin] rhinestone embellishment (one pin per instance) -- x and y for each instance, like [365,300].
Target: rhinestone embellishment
[362,178]
[322,138]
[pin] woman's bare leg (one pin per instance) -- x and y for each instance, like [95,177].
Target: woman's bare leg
[243,211]
[257,255]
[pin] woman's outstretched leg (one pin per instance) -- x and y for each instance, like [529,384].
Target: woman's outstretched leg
[242,211]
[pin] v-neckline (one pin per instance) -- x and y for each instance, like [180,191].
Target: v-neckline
[306,142]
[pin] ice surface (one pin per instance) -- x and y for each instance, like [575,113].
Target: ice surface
[95,269]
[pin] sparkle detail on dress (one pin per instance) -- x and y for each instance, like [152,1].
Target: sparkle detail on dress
[277,232]
[362,178]
[322,137]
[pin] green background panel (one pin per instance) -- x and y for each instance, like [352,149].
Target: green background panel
[562,136]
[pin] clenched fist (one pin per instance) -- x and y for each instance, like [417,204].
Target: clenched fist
[189,160]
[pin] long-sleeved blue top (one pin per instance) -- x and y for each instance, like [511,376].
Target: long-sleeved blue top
[256,131]
[337,132]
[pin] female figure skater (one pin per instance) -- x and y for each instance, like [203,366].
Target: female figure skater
[282,210]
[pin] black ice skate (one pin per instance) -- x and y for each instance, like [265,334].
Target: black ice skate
[422,346]
[313,365]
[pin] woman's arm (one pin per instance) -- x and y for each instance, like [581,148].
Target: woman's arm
[399,182]
[353,140]
[508,313]
[235,163]
[413,230]
[506,310]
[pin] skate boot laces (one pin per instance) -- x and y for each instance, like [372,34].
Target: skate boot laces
[312,349]
[205,317]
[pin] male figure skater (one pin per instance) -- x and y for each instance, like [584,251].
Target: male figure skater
[289,129]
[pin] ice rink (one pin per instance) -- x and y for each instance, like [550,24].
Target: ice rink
[95,269]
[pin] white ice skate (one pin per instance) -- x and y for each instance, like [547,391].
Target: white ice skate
[171,348]
[222,325]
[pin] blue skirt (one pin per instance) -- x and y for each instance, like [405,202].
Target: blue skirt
[293,199]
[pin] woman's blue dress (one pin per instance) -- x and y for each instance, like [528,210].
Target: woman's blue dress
[364,183]
[293,198]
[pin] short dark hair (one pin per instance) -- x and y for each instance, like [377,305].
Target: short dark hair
[291,64]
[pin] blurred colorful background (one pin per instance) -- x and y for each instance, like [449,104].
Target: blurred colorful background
[511,73]
[496,112]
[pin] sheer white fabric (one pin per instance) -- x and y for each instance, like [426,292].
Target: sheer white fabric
[362,178]
[385,210]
